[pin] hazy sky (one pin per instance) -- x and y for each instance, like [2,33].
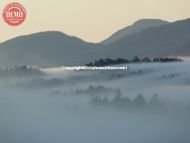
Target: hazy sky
[91,20]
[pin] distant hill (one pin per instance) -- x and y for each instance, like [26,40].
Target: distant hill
[167,40]
[55,48]
[45,48]
[138,26]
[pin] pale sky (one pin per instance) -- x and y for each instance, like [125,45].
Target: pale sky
[90,20]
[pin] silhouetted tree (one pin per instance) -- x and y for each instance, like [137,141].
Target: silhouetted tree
[90,64]
[136,59]
[139,101]
[155,100]
[156,60]
[146,59]
[118,93]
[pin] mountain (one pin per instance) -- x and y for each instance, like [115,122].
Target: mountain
[45,48]
[167,40]
[135,28]
[56,49]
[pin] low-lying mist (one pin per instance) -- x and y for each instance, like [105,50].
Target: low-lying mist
[148,104]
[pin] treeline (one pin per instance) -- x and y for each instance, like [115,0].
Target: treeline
[108,61]
[124,102]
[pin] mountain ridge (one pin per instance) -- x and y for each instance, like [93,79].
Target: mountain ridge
[53,48]
[165,40]
[136,27]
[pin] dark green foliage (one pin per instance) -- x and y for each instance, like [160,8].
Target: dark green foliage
[136,59]
[107,62]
